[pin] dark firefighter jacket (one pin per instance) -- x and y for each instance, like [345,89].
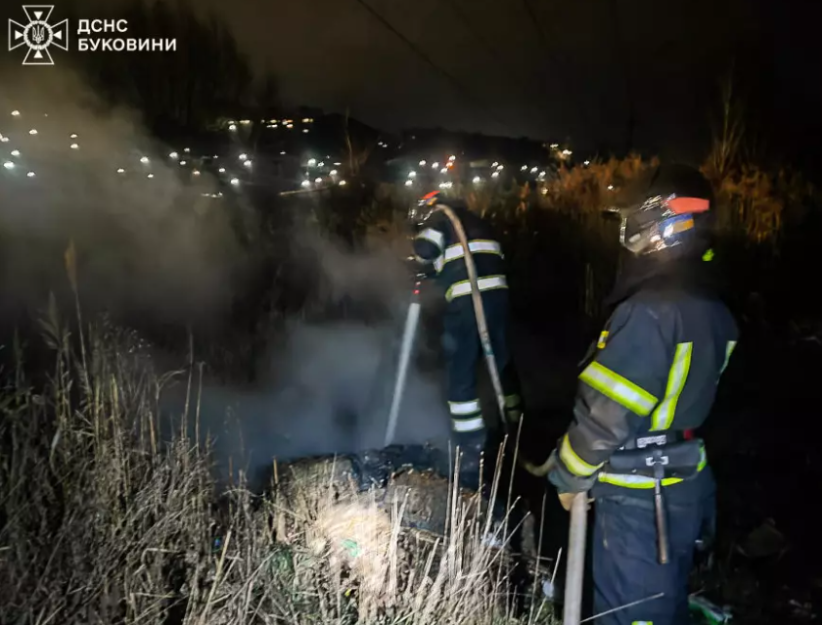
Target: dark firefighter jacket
[438,248]
[655,368]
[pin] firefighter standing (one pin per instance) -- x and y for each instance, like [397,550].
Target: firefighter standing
[648,382]
[441,254]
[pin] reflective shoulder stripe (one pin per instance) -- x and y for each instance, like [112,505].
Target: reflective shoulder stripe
[729,349]
[468,425]
[602,339]
[439,263]
[575,464]
[644,482]
[434,236]
[619,389]
[664,414]
[487,283]
[464,407]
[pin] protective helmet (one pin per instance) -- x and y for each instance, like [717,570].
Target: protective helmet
[673,211]
[419,213]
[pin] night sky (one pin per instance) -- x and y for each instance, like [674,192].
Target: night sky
[580,71]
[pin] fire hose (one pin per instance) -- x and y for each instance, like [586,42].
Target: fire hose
[572,608]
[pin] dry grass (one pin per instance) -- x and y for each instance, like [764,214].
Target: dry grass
[102,520]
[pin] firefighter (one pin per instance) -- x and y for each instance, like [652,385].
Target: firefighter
[438,250]
[647,383]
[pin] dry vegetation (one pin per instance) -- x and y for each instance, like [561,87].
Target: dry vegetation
[103,521]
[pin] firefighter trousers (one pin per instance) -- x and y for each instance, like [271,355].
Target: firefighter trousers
[463,354]
[625,564]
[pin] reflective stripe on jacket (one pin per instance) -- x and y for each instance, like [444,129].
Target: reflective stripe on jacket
[438,246]
[655,367]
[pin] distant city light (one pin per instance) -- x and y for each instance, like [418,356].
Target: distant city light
[245,122]
[15,113]
[145,160]
[333,172]
[542,174]
[187,150]
[343,183]
[74,146]
[235,181]
[289,126]
[435,166]
[4,139]
[221,170]
[477,179]
[312,162]
[321,164]
[282,153]
[174,156]
[151,176]
[554,146]
[412,174]
[305,131]
[494,164]
[73,136]
[243,157]
[408,183]
[15,152]
[233,127]
[495,174]
[523,168]
[183,163]
[452,158]
[422,163]
[306,183]
[121,171]
[500,168]
[318,180]
[586,163]
[567,152]
[610,187]
[534,170]
[248,164]
[8,165]
[444,170]
[30,174]
[196,172]
[33,131]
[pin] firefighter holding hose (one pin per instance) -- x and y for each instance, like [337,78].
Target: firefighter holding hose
[440,254]
[647,384]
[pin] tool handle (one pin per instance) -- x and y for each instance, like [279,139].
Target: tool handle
[572,609]
[661,524]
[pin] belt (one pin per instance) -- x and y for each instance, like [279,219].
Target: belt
[659,438]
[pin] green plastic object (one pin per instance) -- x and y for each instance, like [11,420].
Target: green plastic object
[707,613]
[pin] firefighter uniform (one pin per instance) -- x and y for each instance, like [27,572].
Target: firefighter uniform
[437,247]
[646,385]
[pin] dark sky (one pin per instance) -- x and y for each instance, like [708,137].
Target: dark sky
[594,63]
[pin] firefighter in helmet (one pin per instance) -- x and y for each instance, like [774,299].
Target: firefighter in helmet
[647,384]
[438,250]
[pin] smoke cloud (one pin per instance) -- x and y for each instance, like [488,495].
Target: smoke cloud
[153,244]
[147,231]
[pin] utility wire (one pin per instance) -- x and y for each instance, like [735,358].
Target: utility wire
[447,75]
[543,40]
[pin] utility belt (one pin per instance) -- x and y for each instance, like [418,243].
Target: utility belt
[653,461]
[660,456]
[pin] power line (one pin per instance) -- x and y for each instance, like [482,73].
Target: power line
[543,40]
[447,75]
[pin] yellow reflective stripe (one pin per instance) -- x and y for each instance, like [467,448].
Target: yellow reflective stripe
[477,246]
[463,287]
[468,425]
[644,482]
[664,414]
[621,390]
[464,407]
[729,349]
[575,464]
[642,623]
[433,236]
[602,337]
